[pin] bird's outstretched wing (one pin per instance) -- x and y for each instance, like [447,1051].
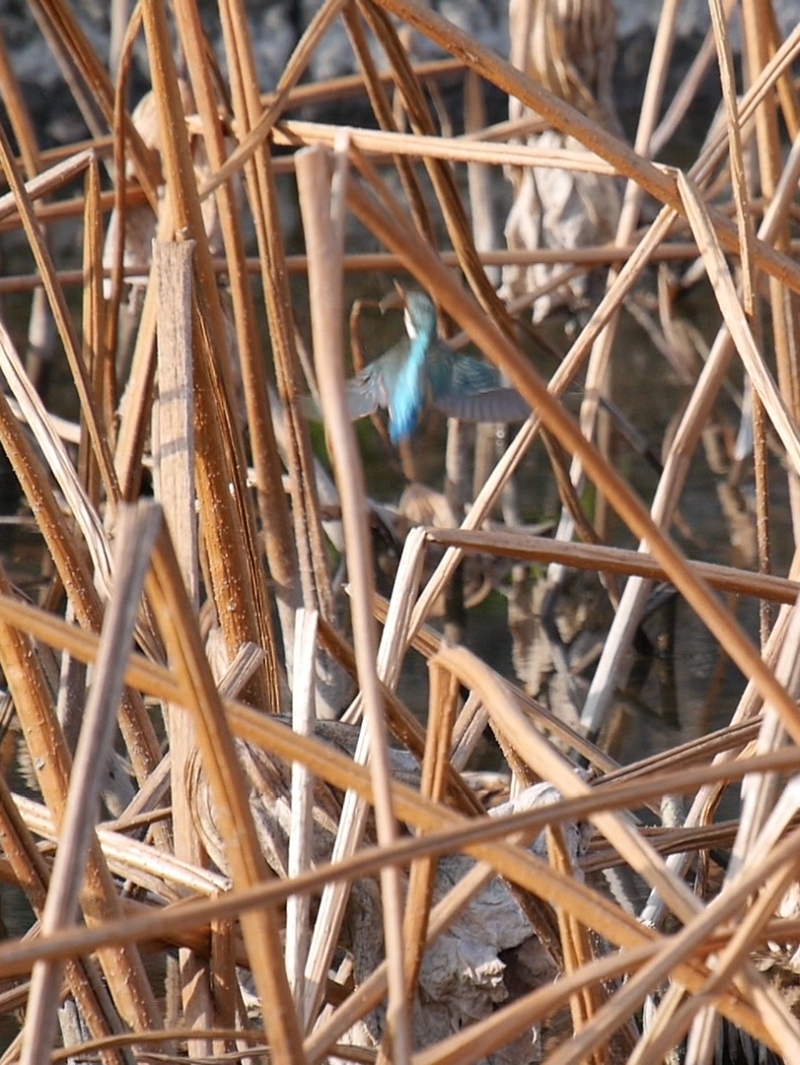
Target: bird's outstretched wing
[491,405]
[474,394]
[364,394]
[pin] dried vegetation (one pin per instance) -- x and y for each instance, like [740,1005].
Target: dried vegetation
[254,883]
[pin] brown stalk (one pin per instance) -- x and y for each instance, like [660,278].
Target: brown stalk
[272,505]
[681,450]
[237,576]
[197,692]
[69,557]
[383,112]
[728,906]
[40,341]
[519,546]
[548,764]
[76,820]
[576,945]
[45,741]
[124,196]
[734,957]
[295,67]
[94,354]
[171,921]
[653,179]
[406,728]
[761,478]
[62,26]
[62,317]
[725,292]
[787,91]
[134,411]
[558,384]
[33,876]
[440,174]
[263,193]
[173,430]
[442,705]
[783,306]
[741,193]
[423,263]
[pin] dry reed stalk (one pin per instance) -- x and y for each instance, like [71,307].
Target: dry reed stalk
[708,796]
[672,480]
[354,809]
[123,202]
[62,318]
[421,262]
[558,384]
[382,109]
[322,207]
[62,28]
[576,945]
[174,455]
[441,176]
[442,706]
[272,506]
[594,424]
[33,876]
[645,957]
[135,406]
[606,797]
[519,545]
[156,870]
[68,556]
[122,967]
[82,806]
[199,695]
[239,589]
[735,318]
[314,582]
[741,192]
[687,90]
[94,354]
[786,337]
[654,180]
[40,329]
[298,907]
[766,614]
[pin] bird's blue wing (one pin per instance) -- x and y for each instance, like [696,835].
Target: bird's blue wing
[364,394]
[475,395]
[492,405]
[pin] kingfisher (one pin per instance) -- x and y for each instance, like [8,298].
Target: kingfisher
[419,370]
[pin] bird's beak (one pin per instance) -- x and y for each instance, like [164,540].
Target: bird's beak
[394,299]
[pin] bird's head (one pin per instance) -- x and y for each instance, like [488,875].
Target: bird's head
[419,313]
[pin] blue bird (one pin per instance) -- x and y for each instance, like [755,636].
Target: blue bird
[419,370]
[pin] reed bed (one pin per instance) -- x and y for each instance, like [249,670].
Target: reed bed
[214,869]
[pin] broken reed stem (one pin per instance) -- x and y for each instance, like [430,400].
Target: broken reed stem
[174,463]
[237,577]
